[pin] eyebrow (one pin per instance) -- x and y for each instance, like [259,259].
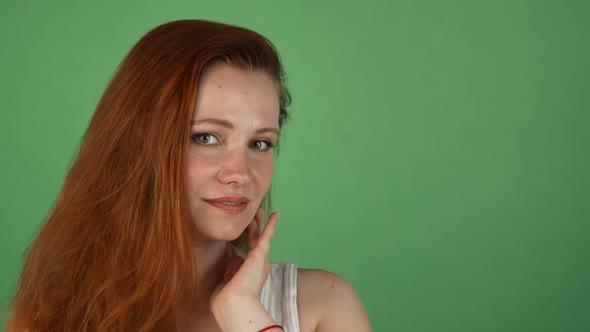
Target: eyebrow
[229,125]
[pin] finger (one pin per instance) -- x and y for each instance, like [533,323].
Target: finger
[268,231]
[255,227]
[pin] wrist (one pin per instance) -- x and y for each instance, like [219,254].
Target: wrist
[272,328]
[229,304]
[242,313]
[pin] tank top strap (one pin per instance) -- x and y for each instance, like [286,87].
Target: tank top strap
[279,295]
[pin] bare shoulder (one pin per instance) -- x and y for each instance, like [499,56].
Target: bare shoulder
[327,302]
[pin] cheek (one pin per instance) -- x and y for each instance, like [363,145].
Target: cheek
[263,171]
[199,169]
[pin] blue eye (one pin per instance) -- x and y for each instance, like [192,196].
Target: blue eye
[262,145]
[204,139]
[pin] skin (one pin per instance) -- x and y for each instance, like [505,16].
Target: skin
[234,157]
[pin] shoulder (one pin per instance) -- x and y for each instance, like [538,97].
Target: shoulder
[327,302]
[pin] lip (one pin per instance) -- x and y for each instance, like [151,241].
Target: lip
[233,209]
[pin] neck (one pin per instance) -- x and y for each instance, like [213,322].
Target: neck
[211,258]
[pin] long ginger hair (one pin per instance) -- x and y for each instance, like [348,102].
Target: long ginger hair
[116,251]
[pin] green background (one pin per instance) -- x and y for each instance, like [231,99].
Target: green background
[437,157]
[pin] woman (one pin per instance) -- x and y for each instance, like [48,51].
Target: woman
[164,202]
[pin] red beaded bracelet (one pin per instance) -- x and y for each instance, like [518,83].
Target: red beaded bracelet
[271,327]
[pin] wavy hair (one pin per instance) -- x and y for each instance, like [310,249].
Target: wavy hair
[116,251]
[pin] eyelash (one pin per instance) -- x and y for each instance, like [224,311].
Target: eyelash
[195,138]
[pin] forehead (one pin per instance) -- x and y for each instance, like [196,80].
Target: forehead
[231,93]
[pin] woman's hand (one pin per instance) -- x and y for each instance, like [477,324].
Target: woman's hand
[243,279]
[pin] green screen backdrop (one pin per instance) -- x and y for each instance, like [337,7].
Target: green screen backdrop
[438,155]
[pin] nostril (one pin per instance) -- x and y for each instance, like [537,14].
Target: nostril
[238,175]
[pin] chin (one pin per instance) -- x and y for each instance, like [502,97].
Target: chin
[231,237]
[227,234]
[214,227]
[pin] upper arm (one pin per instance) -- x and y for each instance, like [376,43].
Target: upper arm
[333,301]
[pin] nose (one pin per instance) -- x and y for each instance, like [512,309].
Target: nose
[235,169]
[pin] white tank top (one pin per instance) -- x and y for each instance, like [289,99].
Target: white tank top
[279,295]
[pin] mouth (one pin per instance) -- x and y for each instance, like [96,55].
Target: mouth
[232,205]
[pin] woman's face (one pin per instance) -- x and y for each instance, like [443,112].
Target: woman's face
[230,156]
